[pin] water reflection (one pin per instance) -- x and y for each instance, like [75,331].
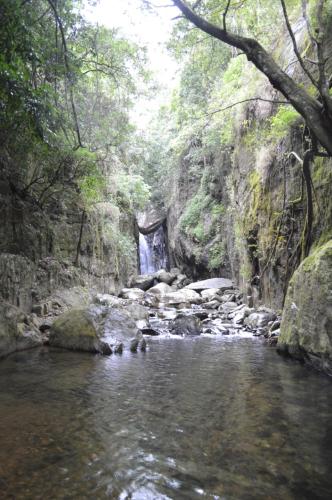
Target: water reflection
[202,418]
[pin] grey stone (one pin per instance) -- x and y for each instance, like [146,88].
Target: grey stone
[212,304]
[211,294]
[165,277]
[143,281]
[183,296]
[219,283]
[186,325]
[149,220]
[160,289]
[306,326]
[259,319]
[132,293]
[95,329]
[18,331]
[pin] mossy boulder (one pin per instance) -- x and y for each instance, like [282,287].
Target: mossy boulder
[76,330]
[306,327]
[96,329]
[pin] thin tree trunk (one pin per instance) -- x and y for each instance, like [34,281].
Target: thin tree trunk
[79,243]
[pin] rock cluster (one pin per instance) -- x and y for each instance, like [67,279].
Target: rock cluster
[164,303]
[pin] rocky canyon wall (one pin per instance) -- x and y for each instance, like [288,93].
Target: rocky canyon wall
[61,247]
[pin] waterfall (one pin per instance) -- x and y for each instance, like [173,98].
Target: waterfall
[152,251]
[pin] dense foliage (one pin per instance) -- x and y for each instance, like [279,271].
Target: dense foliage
[66,91]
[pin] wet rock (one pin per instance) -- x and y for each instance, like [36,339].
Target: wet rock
[132,293]
[38,309]
[18,331]
[274,333]
[134,345]
[219,283]
[143,345]
[150,331]
[228,307]
[135,311]
[211,294]
[150,300]
[143,281]
[212,304]
[180,281]
[160,290]
[95,329]
[106,299]
[45,325]
[76,330]
[228,297]
[165,277]
[183,296]
[186,325]
[259,319]
[105,348]
[306,326]
[150,220]
[275,326]
[200,314]
[239,316]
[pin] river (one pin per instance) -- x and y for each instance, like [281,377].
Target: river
[219,418]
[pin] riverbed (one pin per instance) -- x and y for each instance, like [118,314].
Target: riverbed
[207,417]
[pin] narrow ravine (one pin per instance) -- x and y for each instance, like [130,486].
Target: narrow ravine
[165,249]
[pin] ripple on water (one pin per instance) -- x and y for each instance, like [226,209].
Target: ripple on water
[191,418]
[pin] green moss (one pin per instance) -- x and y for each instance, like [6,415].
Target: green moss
[324,238]
[217,255]
[255,189]
[321,171]
[280,123]
[313,259]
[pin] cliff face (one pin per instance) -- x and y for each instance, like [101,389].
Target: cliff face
[237,202]
[260,228]
[196,214]
[61,247]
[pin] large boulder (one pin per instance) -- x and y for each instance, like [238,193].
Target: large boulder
[96,329]
[186,325]
[76,330]
[183,296]
[18,331]
[132,293]
[306,326]
[143,281]
[165,276]
[149,220]
[211,294]
[160,289]
[218,283]
[260,319]
[180,281]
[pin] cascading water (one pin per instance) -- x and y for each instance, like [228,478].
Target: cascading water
[152,251]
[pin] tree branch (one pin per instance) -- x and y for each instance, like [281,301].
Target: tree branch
[295,47]
[306,105]
[67,65]
[246,100]
[224,15]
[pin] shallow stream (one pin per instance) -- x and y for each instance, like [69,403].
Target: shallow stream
[219,418]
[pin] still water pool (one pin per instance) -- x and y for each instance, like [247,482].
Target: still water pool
[219,418]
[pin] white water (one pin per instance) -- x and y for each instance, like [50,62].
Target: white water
[152,251]
[145,256]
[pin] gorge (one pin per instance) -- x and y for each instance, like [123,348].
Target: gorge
[165,274]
